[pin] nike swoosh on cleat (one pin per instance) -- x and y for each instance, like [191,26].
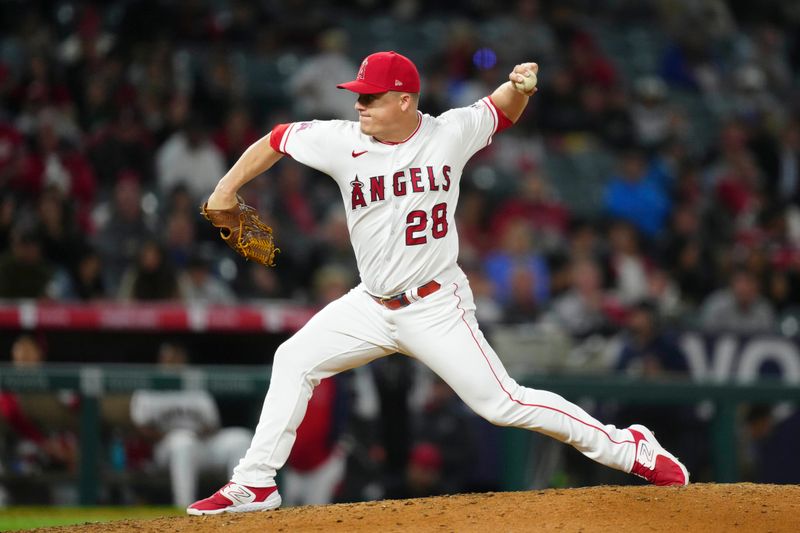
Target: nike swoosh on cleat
[356,154]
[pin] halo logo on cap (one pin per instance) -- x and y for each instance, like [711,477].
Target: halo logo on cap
[388,71]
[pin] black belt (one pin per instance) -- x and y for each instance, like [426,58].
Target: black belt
[405,298]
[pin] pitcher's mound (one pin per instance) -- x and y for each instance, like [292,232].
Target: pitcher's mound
[741,507]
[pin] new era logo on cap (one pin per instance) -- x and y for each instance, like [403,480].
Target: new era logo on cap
[382,72]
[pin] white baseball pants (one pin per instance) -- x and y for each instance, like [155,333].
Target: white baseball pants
[439,330]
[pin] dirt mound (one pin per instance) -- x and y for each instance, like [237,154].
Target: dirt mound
[703,507]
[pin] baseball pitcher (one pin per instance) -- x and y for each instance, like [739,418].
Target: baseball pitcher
[398,171]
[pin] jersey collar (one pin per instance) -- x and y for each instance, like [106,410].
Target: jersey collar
[419,123]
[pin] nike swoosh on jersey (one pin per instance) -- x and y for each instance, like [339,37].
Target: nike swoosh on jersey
[356,154]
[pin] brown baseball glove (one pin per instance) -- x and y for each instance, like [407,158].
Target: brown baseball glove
[242,229]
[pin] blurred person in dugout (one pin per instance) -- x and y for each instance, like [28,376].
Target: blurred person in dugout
[185,427]
[316,465]
[423,475]
[42,427]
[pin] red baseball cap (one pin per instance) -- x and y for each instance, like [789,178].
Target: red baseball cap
[384,71]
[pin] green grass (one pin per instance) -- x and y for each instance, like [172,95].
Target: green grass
[20,518]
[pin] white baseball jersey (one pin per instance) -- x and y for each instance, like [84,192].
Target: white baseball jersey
[169,410]
[400,198]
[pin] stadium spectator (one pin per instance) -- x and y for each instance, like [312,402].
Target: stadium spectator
[331,244]
[585,242]
[651,112]
[84,280]
[189,157]
[628,265]
[581,310]
[535,204]
[236,134]
[738,187]
[323,100]
[473,233]
[122,228]
[291,205]
[522,306]
[739,308]
[123,145]
[536,37]
[588,63]
[152,278]
[516,251]
[8,208]
[43,427]
[41,92]
[648,352]
[199,284]
[24,273]
[780,159]
[257,283]
[563,113]
[53,162]
[186,430]
[11,152]
[60,238]
[632,195]
[687,257]
[179,238]
[423,475]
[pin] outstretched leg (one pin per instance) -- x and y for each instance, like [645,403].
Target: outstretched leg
[349,332]
[458,352]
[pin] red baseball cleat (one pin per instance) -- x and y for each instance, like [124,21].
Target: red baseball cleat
[235,498]
[654,463]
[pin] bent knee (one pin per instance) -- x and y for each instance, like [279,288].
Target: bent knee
[283,355]
[494,410]
[293,360]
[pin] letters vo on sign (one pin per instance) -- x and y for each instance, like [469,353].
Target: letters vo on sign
[729,357]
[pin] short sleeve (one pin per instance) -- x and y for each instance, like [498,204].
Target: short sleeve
[475,125]
[305,142]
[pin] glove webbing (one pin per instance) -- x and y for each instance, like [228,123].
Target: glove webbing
[259,244]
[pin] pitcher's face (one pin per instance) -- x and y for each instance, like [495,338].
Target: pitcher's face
[380,113]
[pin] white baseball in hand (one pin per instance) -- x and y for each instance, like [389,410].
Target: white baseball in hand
[528,82]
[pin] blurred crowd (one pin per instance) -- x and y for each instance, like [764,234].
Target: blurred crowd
[117,119]
[653,181]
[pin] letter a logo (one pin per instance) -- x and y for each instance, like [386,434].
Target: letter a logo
[362,71]
[357,194]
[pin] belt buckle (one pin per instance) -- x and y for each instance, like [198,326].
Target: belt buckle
[384,300]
